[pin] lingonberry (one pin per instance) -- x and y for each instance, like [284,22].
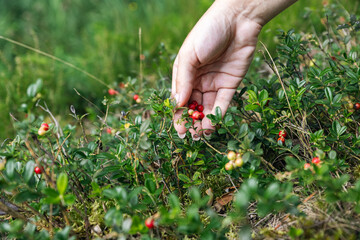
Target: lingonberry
[45,126]
[281,139]
[200,108]
[136,97]
[229,166]
[150,223]
[37,170]
[201,115]
[307,166]
[231,155]
[357,106]
[112,91]
[282,133]
[316,160]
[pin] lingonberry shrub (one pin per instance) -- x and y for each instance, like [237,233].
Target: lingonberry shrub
[237,183]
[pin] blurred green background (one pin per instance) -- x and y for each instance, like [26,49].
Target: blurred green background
[101,37]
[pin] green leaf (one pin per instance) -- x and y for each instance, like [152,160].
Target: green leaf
[10,168]
[150,185]
[218,113]
[184,178]
[144,126]
[62,183]
[28,171]
[328,94]
[26,196]
[34,88]
[69,199]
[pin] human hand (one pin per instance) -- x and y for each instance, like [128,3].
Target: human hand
[212,62]
[216,55]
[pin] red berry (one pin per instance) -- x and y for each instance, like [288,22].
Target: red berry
[201,115]
[37,170]
[149,223]
[136,97]
[200,108]
[190,112]
[195,103]
[316,160]
[357,106]
[112,91]
[196,115]
[307,166]
[281,139]
[45,126]
[192,106]
[282,133]
[108,130]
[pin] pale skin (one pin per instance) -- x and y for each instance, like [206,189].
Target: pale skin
[216,55]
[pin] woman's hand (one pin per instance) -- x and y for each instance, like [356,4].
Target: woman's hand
[215,57]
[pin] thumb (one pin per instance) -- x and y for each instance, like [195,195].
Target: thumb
[185,77]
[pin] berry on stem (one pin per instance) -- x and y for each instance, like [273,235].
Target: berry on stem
[229,166]
[201,115]
[239,162]
[282,133]
[112,91]
[192,107]
[357,106]
[200,108]
[281,139]
[307,166]
[37,170]
[136,97]
[195,103]
[231,155]
[196,115]
[150,223]
[316,160]
[190,112]
[45,126]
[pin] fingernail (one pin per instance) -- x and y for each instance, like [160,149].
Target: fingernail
[196,137]
[181,135]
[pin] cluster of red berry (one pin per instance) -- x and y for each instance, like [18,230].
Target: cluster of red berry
[43,129]
[235,160]
[282,136]
[315,160]
[196,111]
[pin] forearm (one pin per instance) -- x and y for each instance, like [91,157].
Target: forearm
[260,11]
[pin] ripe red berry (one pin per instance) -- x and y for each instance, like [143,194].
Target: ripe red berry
[108,130]
[37,170]
[200,108]
[307,166]
[357,106]
[316,160]
[112,91]
[45,126]
[195,103]
[281,139]
[192,106]
[196,115]
[150,223]
[136,97]
[282,133]
[201,115]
